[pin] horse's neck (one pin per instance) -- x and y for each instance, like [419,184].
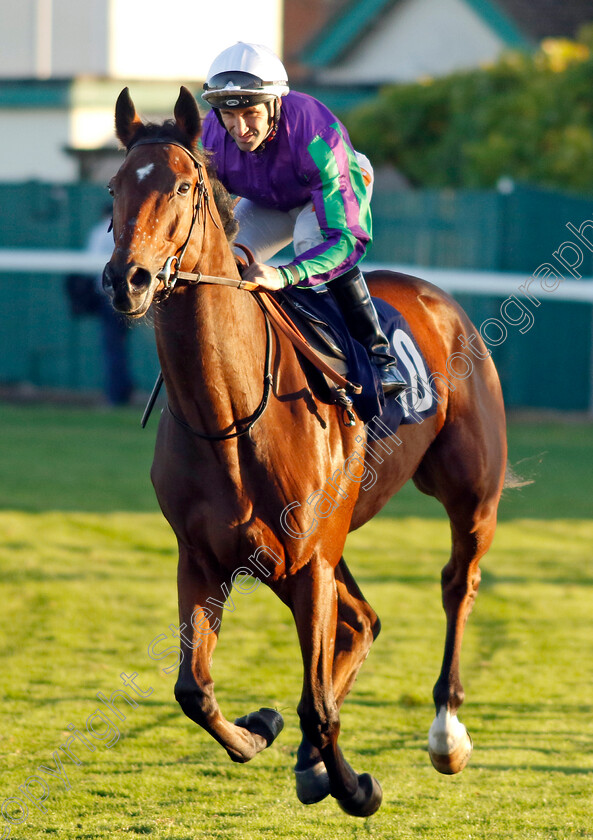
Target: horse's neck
[211,344]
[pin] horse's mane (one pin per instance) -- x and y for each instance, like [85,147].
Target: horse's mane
[169,130]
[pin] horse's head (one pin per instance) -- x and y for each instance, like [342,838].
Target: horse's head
[156,199]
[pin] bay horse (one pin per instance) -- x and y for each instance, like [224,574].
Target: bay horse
[224,492]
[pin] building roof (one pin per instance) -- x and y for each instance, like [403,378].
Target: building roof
[549,18]
[516,22]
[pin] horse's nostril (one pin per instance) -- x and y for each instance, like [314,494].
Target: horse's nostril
[139,279]
[106,280]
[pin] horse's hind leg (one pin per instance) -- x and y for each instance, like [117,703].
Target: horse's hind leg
[201,598]
[449,743]
[313,600]
[357,627]
[466,474]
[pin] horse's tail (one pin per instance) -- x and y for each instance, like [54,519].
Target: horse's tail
[513,481]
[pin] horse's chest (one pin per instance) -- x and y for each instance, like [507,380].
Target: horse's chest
[197,498]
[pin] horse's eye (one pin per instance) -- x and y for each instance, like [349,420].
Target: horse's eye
[184,188]
[110,190]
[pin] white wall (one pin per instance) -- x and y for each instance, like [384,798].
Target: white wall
[418,38]
[153,39]
[90,128]
[32,145]
[79,37]
[173,39]
[35,137]
[18,34]
[88,43]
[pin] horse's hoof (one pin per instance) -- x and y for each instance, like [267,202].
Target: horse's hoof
[266,724]
[366,800]
[312,784]
[455,761]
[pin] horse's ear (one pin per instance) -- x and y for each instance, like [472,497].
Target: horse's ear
[127,121]
[187,115]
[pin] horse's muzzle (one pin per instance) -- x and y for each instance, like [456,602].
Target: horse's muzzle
[129,289]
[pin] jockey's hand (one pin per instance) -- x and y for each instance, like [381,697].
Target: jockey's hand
[264,275]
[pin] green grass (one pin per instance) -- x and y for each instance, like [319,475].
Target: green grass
[88,580]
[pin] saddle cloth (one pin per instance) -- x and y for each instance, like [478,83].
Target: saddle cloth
[319,318]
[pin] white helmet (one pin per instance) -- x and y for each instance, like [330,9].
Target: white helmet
[245,75]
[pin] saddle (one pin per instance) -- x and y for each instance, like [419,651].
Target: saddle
[320,323]
[338,367]
[317,332]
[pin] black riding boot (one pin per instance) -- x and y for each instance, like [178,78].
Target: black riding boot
[352,296]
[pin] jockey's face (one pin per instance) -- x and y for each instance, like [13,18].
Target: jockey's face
[247,126]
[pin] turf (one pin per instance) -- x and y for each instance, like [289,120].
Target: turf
[88,580]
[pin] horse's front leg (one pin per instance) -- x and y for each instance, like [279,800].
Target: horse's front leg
[200,620]
[313,599]
[357,627]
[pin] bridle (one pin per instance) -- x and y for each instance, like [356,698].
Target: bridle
[170,276]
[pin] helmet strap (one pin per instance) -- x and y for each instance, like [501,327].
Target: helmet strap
[273,109]
[219,117]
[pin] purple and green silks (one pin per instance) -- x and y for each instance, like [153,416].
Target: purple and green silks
[310,159]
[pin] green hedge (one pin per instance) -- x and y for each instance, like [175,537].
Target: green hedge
[529,116]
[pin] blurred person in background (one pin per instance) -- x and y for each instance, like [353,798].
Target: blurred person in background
[87,297]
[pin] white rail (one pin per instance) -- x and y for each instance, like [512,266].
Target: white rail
[451,280]
[29,261]
[492,282]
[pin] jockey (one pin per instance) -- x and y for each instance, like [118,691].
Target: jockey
[291,162]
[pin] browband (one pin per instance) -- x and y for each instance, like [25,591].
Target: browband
[155,141]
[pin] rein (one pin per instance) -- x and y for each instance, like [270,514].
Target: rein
[268,381]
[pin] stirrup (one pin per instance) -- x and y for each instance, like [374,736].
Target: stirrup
[392,380]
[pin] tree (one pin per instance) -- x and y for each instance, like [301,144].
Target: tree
[528,116]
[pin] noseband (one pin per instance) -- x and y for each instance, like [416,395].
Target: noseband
[168,275]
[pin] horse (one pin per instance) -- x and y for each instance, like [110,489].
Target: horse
[244,440]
